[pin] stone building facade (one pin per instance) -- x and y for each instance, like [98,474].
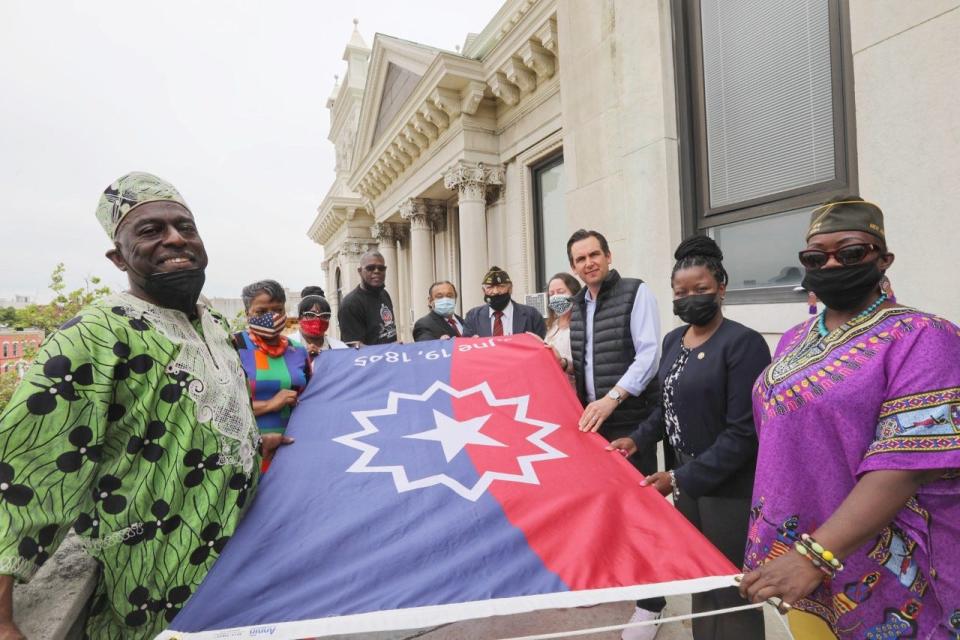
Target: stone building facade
[648,120]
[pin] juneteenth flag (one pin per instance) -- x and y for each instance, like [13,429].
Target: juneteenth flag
[441,481]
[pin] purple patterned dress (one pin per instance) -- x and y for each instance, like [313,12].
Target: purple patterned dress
[877,393]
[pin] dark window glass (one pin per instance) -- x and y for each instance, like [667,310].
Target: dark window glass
[766,122]
[549,220]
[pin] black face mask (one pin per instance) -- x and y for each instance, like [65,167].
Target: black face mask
[178,290]
[844,288]
[698,309]
[498,302]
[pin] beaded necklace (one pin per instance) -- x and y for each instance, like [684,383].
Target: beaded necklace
[822,325]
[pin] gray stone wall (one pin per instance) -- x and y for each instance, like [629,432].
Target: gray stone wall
[52,605]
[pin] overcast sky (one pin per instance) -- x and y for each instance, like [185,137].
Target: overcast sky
[225,99]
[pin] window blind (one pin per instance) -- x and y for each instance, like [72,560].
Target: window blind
[767,97]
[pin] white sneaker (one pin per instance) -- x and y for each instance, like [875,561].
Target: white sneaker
[648,632]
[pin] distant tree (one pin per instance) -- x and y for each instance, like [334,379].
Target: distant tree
[65,304]
[239,322]
[8,316]
[9,381]
[49,317]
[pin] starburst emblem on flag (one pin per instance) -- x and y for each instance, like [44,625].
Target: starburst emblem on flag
[453,436]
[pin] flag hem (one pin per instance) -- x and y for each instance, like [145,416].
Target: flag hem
[433,615]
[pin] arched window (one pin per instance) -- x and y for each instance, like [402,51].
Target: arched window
[6,349]
[15,348]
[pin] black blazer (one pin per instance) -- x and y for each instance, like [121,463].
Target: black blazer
[714,406]
[525,318]
[432,326]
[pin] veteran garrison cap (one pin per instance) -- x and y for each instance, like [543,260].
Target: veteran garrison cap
[848,214]
[496,275]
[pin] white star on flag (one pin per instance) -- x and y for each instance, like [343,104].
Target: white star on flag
[453,436]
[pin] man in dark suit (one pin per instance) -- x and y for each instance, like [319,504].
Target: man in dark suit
[442,322]
[501,316]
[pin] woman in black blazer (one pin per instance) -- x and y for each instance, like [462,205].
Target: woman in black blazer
[705,418]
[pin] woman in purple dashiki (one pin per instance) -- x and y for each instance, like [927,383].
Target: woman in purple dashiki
[858,418]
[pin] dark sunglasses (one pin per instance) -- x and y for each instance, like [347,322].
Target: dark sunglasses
[370,268]
[847,256]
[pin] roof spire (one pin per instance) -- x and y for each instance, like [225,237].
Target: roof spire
[356,40]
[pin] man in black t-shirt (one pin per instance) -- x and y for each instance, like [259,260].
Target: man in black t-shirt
[366,313]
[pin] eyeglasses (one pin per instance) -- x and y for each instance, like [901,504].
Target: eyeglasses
[313,314]
[849,255]
[370,268]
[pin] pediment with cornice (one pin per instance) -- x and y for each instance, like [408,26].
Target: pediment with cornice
[389,57]
[520,57]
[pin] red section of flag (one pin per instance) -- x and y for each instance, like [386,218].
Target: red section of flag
[612,532]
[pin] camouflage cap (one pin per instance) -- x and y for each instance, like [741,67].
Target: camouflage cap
[129,192]
[496,275]
[847,215]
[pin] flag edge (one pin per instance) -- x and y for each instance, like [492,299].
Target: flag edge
[433,615]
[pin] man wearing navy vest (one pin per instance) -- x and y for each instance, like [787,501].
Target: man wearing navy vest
[615,338]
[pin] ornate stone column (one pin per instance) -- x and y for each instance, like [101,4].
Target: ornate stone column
[472,180]
[385,234]
[351,250]
[401,306]
[330,289]
[415,210]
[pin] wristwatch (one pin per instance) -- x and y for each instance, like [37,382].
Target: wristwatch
[616,395]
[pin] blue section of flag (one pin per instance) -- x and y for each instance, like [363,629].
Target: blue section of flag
[317,537]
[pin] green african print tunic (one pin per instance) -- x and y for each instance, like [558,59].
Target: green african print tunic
[134,428]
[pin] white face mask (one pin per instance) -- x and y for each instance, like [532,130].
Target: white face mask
[560,304]
[445,306]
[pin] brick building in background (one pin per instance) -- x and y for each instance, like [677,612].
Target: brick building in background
[14,343]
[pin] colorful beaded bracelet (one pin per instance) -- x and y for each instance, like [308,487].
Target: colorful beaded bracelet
[821,558]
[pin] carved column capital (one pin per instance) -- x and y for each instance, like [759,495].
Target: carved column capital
[415,211]
[473,179]
[437,211]
[383,232]
[354,248]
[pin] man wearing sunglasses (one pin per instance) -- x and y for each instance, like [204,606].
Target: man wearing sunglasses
[366,314]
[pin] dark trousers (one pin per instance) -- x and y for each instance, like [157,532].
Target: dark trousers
[724,522]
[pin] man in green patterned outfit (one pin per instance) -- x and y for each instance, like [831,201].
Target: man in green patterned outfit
[133,427]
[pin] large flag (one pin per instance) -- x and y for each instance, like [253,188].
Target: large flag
[441,481]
